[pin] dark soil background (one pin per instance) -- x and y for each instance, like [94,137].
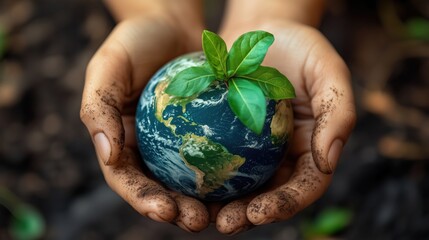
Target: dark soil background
[47,159]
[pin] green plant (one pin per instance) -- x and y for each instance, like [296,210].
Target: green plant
[26,223]
[249,83]
[328,222]
[418,28]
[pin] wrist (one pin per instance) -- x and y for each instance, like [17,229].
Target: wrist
[256,12]
[184,17]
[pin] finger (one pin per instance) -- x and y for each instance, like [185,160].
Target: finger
[232,218]
[102,101]
[193,215]
[145,195]
[334,111]
[304,187]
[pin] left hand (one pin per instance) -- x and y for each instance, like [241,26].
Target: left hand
[324,115]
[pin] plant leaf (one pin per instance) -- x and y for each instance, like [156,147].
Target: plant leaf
[328,222]
[215,50]
[273,84]
[248,52]
[247,101]
[190,81]
[27,223]
[418,28]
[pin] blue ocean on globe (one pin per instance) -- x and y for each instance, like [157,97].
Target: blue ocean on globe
[198,147]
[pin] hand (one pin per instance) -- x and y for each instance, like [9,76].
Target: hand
[324,116]
[115,77]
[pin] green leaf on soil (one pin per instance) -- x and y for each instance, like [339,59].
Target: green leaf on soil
[329,222]
[418,28]
[27,223]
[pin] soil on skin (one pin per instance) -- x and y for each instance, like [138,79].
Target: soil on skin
[47,158]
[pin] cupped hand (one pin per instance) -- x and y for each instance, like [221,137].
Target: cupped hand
[115,77]
[324,116]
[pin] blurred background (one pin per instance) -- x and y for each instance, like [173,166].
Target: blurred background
[52,188]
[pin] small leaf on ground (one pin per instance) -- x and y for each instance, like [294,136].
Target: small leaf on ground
[328,222]
[27,223]
[418,28]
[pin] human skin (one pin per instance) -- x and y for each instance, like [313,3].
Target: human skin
[149,34]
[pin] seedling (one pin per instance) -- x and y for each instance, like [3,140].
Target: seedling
[249,83]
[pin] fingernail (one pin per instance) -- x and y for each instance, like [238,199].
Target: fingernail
[334,154]
[265,221]
[184,227]
[238,230]
[102,147]
[155,217]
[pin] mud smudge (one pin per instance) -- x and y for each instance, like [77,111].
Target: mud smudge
[327,108]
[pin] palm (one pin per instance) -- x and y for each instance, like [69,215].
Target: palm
[290,54]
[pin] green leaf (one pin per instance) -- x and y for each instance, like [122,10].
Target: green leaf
[248,52]
[215,50]
[274,84]
[247,101]
[190,81]
[27,223]
[329,221]
[418,28]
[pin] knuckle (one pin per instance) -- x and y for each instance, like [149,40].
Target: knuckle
[86,113]
[151,190]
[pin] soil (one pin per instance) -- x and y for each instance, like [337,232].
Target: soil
[47,158]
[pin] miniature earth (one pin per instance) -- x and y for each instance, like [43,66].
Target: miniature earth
[197,145]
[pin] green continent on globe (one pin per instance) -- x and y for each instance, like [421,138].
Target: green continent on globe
[211,161]
[162,100]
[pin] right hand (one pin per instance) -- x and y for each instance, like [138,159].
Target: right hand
[115,77]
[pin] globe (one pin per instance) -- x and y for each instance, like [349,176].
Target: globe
[197,146]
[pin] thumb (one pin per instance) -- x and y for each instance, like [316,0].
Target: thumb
[102,101]
[334,113]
